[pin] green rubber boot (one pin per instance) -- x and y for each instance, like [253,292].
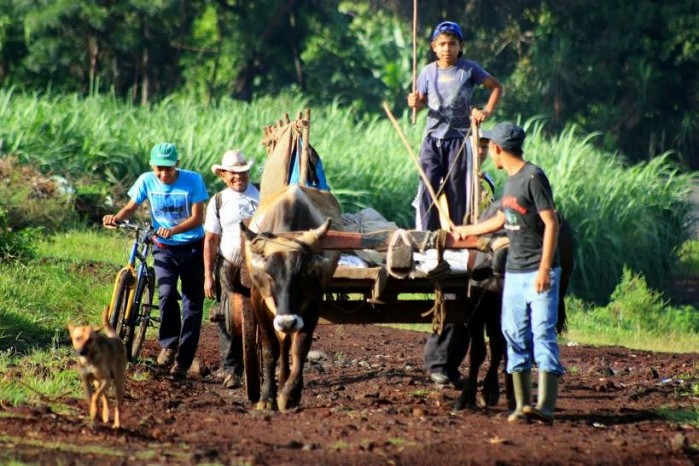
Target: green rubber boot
[522,384]
[548,392]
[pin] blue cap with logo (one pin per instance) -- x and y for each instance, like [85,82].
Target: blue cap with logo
[507,135]
[163,155]
[447,27]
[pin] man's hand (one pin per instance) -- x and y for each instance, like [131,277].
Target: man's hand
[209,290]
[416,100]
[462,231]
[479,116]
[543,280]
[109,221]
[164,232]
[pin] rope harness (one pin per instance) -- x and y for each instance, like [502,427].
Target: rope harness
[436,276]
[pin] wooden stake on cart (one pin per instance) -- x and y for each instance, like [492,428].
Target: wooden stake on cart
[475,204]
[303,161]
[414,114]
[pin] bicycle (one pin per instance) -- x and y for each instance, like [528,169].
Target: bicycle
[130,313]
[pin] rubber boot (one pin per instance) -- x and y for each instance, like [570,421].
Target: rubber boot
[546,403]
[522,384]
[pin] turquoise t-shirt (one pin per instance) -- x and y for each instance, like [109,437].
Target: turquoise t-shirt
[171,204]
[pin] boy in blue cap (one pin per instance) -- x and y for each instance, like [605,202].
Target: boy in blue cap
[532,273]
[445,87]
[176,199]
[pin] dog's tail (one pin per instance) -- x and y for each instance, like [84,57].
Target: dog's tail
[106,325]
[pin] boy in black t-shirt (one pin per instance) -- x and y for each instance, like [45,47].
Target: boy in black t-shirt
[532,276]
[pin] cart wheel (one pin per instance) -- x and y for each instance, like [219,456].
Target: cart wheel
[251,359]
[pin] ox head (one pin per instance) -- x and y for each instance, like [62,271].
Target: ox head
[289,271]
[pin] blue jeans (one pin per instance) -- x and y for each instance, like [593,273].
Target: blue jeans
[529,323]
[185,263]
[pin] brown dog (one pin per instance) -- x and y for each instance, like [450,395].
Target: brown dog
[102,362]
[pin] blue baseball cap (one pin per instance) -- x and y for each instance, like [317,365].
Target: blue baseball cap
[447,27]
[163,155]
[507,135]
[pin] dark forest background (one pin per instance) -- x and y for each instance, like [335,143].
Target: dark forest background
[628,69]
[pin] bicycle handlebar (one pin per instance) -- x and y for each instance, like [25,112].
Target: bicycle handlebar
[146,228]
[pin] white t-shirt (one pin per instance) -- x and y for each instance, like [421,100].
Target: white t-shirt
[235,207]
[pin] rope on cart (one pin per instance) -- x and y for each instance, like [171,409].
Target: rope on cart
[440,272]
[402,236]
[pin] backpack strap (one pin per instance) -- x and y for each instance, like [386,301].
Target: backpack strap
[218,199]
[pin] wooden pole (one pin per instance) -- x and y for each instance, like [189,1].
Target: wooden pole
[414,113]
[475,180]
[417,164]
[305,134]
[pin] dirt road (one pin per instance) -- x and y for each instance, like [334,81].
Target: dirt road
[367,401]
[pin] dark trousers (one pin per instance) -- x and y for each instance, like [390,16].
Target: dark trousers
[439,157]
[230,344]
[444,353]
[231,350]
[186,264]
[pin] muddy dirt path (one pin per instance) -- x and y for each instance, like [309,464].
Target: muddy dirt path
[367,401]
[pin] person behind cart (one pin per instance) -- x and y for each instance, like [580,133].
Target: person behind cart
[532,274]
[223,260]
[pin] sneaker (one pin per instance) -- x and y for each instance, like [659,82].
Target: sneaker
[231,381]
[166,357]
[178,372]
[197,368]
[439,378]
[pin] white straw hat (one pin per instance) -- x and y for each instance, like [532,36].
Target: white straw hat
[233,161]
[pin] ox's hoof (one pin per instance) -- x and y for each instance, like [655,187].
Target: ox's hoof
[490,397]
[462,404]
[264,405]
[286,405]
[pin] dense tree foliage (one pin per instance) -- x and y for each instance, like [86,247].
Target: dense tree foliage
[626,68]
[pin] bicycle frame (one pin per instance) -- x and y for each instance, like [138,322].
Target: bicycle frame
[140,250]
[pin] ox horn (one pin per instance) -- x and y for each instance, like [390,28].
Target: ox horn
[312,237]
[323,229]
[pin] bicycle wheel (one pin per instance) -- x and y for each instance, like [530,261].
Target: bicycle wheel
[142,318]
[123,290]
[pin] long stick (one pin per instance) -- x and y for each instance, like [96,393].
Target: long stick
[305,156]
[475,175]
[417,164]
[414,114]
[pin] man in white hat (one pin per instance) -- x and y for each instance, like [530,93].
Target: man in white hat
[222,255]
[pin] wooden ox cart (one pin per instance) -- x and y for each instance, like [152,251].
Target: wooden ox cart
[389,293]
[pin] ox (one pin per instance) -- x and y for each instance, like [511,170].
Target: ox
[288,273]
[485,307]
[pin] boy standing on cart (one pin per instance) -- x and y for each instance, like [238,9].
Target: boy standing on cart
[445,87]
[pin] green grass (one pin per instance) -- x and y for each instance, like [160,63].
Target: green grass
[689,259]
[636,317]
